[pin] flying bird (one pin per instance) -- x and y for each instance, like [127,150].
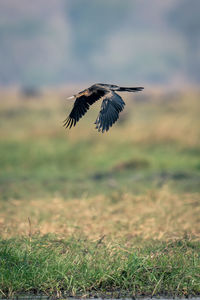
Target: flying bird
[111,106]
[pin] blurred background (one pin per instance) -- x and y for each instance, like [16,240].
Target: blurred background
[51,49]
[62,42]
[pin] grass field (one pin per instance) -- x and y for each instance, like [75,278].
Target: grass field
[84,213]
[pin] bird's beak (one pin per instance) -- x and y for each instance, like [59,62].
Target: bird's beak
[71,97]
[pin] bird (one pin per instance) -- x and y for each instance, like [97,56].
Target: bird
[111,106]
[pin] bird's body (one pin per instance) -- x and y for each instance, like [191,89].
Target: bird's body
[111,106]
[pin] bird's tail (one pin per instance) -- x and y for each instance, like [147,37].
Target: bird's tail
[129,89]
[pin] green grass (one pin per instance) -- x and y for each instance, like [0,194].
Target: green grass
[115,214]
[50,265]
[39,168]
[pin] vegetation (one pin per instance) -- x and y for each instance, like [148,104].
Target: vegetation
[67,42]
[86,268]
[83,213]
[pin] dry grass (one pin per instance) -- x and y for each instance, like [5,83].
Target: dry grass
[158,215]
[162,119]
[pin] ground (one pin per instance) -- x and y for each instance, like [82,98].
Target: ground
[85,213]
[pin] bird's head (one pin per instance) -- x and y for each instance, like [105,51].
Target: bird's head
[71,97]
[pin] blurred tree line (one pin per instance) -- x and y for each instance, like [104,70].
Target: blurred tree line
[185,18]
[56,42]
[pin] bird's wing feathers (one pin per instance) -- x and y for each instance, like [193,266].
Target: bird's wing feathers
[82,104]
[111,106]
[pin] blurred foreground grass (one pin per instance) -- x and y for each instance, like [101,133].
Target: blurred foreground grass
[137,183]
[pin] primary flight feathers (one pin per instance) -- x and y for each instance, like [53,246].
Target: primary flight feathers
[111,106]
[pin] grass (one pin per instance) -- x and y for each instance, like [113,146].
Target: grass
[47,264]
[113,215]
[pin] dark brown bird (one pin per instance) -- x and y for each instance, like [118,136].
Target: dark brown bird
[111,106]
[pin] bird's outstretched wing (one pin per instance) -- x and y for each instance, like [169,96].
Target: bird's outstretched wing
[82,104]
[111,106]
